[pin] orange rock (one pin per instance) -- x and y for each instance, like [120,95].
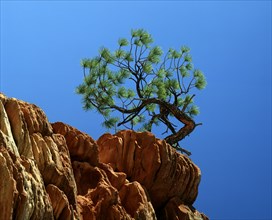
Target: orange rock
[22,192]
[97,197]
[136,201]
[176,209]
[18,127]
[36,158]
[117,179]
[86,208]
[81,146]
[153,163]
[60,203]
[54,171]
[8,190]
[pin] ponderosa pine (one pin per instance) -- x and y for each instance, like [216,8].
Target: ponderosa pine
[143,85]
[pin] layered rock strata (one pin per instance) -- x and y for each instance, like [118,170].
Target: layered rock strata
[54,171]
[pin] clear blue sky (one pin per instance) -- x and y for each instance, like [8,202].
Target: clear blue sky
[42,43]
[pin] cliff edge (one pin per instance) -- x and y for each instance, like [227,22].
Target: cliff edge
[54,171]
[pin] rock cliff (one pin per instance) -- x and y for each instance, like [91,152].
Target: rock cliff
[54,171]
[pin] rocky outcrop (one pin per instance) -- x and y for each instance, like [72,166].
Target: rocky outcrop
[54,171]
[153,163]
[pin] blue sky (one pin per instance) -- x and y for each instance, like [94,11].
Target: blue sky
[42,43]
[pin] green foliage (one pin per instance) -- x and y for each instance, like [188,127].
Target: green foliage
[110,122]
[200,79]
[123,42]
[193,110]
[120,81]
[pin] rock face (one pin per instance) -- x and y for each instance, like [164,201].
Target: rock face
[53,171]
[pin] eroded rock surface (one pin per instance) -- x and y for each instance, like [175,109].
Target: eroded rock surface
[153,163]
[54,171]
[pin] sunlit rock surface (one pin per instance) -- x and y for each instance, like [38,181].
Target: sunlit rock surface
[54,171]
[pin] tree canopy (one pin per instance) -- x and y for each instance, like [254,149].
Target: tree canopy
[143,85]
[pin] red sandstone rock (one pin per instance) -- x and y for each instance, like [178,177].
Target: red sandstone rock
[34,158]
[81,146]
[109,194]
[153,163]
[59,203]
[176,209]
[57,172]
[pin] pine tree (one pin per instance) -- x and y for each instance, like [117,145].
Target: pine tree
[144,86]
